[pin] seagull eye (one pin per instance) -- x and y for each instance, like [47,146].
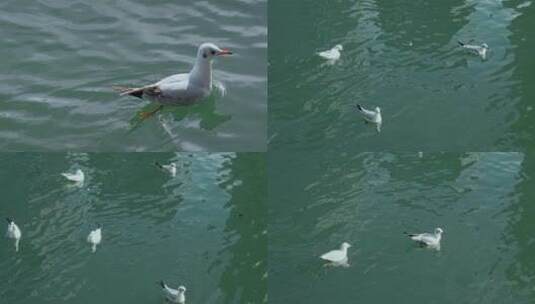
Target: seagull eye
[213,52]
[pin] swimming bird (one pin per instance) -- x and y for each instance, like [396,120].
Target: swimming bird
[13,232]
[337,257]
[428,239]
[171,168]
[77,177]
[180,89]
[94,238]
[332,54]
[372,116]
[174,295]
[480,50]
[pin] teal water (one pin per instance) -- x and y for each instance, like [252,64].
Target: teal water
[60,59]
[403,57]
[204,229]
[483,202]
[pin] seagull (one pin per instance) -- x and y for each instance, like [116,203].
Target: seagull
[77,177]
[95,237]
[372,116]
[337,257]
[180,89]
[13,232]
[431,240]
[174,295]
[480,50]
[332,54]
[171,168]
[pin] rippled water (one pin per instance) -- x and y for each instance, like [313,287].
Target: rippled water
[481,200]
[403,57]
[60,59]
[205,228]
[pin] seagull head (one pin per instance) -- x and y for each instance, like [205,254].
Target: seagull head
[345,245]
[208,51]
[378,110]
[181,289]
[485,46]
[439,231]
[339,47]
[9,220]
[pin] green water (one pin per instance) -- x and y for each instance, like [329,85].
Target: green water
[205,228]
[483,202]
[61,57]
[403,57]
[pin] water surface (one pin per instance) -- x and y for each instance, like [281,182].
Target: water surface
[483,202]
[204,229]
[402,56]
[60,59]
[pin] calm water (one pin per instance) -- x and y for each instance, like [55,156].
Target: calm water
[205,228]
[403,57]
[483,201]
[60,58]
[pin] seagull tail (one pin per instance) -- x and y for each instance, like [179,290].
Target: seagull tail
[158,165]
[136,92]
[408,234]
[162,284]
[460,42]
[9,220]
[359,107]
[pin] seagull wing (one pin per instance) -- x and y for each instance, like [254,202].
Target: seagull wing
[333,256]
[368,114]
[67,175]
[426,238]
[169,292]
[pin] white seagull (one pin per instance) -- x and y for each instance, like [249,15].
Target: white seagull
[94,238]
[181,89]
[431,240]
[171,168]
[372,116]
[174,295]
[337,257]
[77,177]
[13,232]
[332,54]
[480,50]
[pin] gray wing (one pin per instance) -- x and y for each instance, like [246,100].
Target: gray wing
[427,238]
[370,115]
[473,48]
[174,78]
[172,89]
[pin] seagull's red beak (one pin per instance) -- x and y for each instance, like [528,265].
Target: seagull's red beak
[224,52]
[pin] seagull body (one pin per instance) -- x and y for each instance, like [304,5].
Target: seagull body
[431,240]
[174,295]
[372,116]
[182,89]
[480,50]
[338,256]
[13,232]
[94,238]
[332,54]
[171,168]
[77,177]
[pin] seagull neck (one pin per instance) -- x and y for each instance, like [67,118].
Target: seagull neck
[201,74]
